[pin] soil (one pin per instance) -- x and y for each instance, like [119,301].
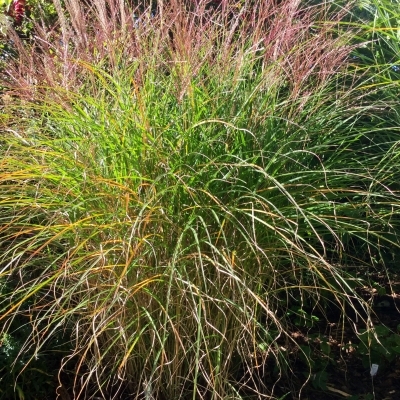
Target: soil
[345,373]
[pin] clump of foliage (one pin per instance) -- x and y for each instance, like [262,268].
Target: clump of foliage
[172,184]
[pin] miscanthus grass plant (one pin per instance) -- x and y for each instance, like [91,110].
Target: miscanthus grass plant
[377,61]
[173,181]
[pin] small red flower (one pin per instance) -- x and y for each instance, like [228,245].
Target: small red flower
[17,11]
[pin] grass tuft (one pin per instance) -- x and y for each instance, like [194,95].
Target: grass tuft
[174,183]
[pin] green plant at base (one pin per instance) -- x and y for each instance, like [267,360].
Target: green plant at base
[380,346]
[25,373]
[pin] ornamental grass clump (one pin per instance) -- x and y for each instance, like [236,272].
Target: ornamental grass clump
[173,181]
